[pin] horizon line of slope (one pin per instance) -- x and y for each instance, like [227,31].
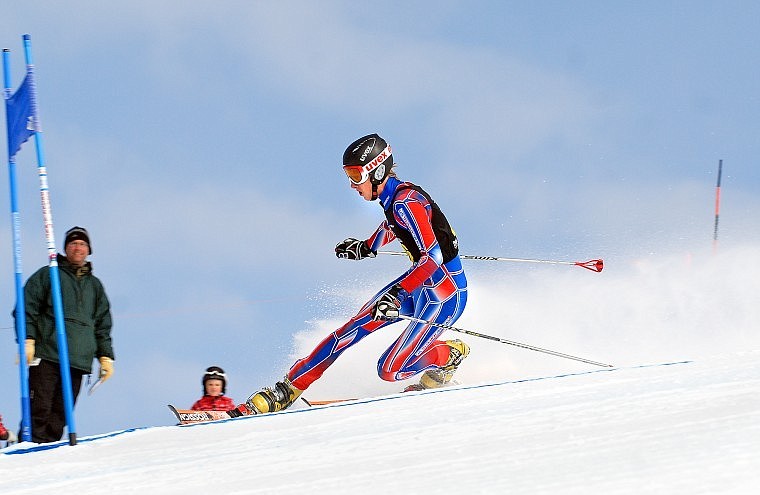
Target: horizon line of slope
[28,447]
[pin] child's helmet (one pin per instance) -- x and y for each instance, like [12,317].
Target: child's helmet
[215,373]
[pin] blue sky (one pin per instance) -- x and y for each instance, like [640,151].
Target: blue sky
[200,144]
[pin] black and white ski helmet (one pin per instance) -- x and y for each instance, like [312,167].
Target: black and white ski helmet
[374,154]
[215,373]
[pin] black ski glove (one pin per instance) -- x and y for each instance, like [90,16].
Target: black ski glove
[387,307]
[353,249]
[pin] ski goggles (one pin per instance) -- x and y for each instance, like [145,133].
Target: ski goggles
[210,374]
[356,174]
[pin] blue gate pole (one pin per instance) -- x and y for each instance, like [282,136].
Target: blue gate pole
[55,281]
[23,371]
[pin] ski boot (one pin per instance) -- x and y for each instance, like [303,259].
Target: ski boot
[267,400]
[440,377]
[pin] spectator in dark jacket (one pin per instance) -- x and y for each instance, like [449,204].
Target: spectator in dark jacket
[87,315]
[214,387]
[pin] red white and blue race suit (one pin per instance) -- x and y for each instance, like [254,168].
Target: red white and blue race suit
[434,289]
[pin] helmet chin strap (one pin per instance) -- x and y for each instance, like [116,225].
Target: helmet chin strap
[377,187]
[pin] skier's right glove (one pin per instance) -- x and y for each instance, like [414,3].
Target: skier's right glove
[353,249]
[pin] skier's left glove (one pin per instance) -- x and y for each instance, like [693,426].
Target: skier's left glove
[353,249]
[387,307]
[106,367]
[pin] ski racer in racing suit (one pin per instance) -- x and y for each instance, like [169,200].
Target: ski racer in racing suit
[434,288]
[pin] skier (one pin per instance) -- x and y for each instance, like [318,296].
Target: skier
[433,288]
[214,383]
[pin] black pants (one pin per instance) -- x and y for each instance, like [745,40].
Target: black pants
[46,398]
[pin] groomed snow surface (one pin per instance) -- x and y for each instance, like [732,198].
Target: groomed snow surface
[680,427]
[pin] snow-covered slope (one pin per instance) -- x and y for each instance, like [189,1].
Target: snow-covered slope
[677,427]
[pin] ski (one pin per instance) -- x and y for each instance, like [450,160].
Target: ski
[312,403]
[417,387]
[413,388]
[187,416]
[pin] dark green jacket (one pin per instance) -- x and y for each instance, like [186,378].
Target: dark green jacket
[86,311]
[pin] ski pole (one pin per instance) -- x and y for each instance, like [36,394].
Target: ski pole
[717,206]
[95,385]
[504,341]
[593,265]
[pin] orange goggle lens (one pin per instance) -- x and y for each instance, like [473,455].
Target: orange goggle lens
[356,174]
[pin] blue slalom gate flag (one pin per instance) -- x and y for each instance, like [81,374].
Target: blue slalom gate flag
[20,115]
